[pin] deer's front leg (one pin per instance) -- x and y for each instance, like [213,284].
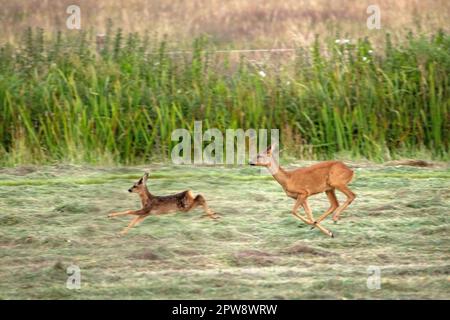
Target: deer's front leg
[315,224]
[133,212]
[133,222]
[122,213]
[301,201]
[301,198]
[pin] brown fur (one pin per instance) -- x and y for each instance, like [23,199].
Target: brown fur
[156,205]
[302,183]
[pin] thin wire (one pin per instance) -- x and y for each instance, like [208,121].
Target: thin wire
[234,51]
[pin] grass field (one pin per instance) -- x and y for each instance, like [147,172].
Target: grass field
[53,217]
[82,111]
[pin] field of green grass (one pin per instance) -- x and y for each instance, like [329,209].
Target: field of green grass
[82,112]
[55,216]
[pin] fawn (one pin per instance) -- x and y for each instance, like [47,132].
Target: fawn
[302,183]
[156,205]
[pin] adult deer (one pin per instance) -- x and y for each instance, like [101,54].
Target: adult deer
[302,183]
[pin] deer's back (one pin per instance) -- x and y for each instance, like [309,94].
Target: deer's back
[173,202]
[320,177]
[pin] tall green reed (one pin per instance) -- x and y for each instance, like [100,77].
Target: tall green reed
[61,100]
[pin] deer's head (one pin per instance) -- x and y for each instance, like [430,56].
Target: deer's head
[263,158]
[139,186]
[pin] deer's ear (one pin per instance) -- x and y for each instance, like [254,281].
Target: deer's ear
[270,149]
[145,177]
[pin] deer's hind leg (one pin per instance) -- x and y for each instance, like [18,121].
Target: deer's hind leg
[339,180]
[334,204]
[199,200]
[350,197]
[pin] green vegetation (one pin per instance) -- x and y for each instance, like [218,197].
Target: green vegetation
[80,112]
[60,100]
[399,222]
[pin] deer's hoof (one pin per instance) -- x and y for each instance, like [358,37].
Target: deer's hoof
[331,234]
[212,216]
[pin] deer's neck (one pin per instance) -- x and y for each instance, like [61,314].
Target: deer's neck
[145,196]
[278,173]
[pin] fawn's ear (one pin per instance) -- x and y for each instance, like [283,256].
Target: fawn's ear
[145,177]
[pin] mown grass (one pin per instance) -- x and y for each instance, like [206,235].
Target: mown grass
[62,101]
[398,222]
[439,174]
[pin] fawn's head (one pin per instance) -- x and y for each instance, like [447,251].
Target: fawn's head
[263,158]
[139,186]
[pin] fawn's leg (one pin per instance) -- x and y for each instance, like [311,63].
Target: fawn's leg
[334,204]
[122,213]
[199,200]
[350,197]
[133,222]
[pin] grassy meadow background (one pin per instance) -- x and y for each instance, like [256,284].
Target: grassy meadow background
[82,116]
[53,217]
